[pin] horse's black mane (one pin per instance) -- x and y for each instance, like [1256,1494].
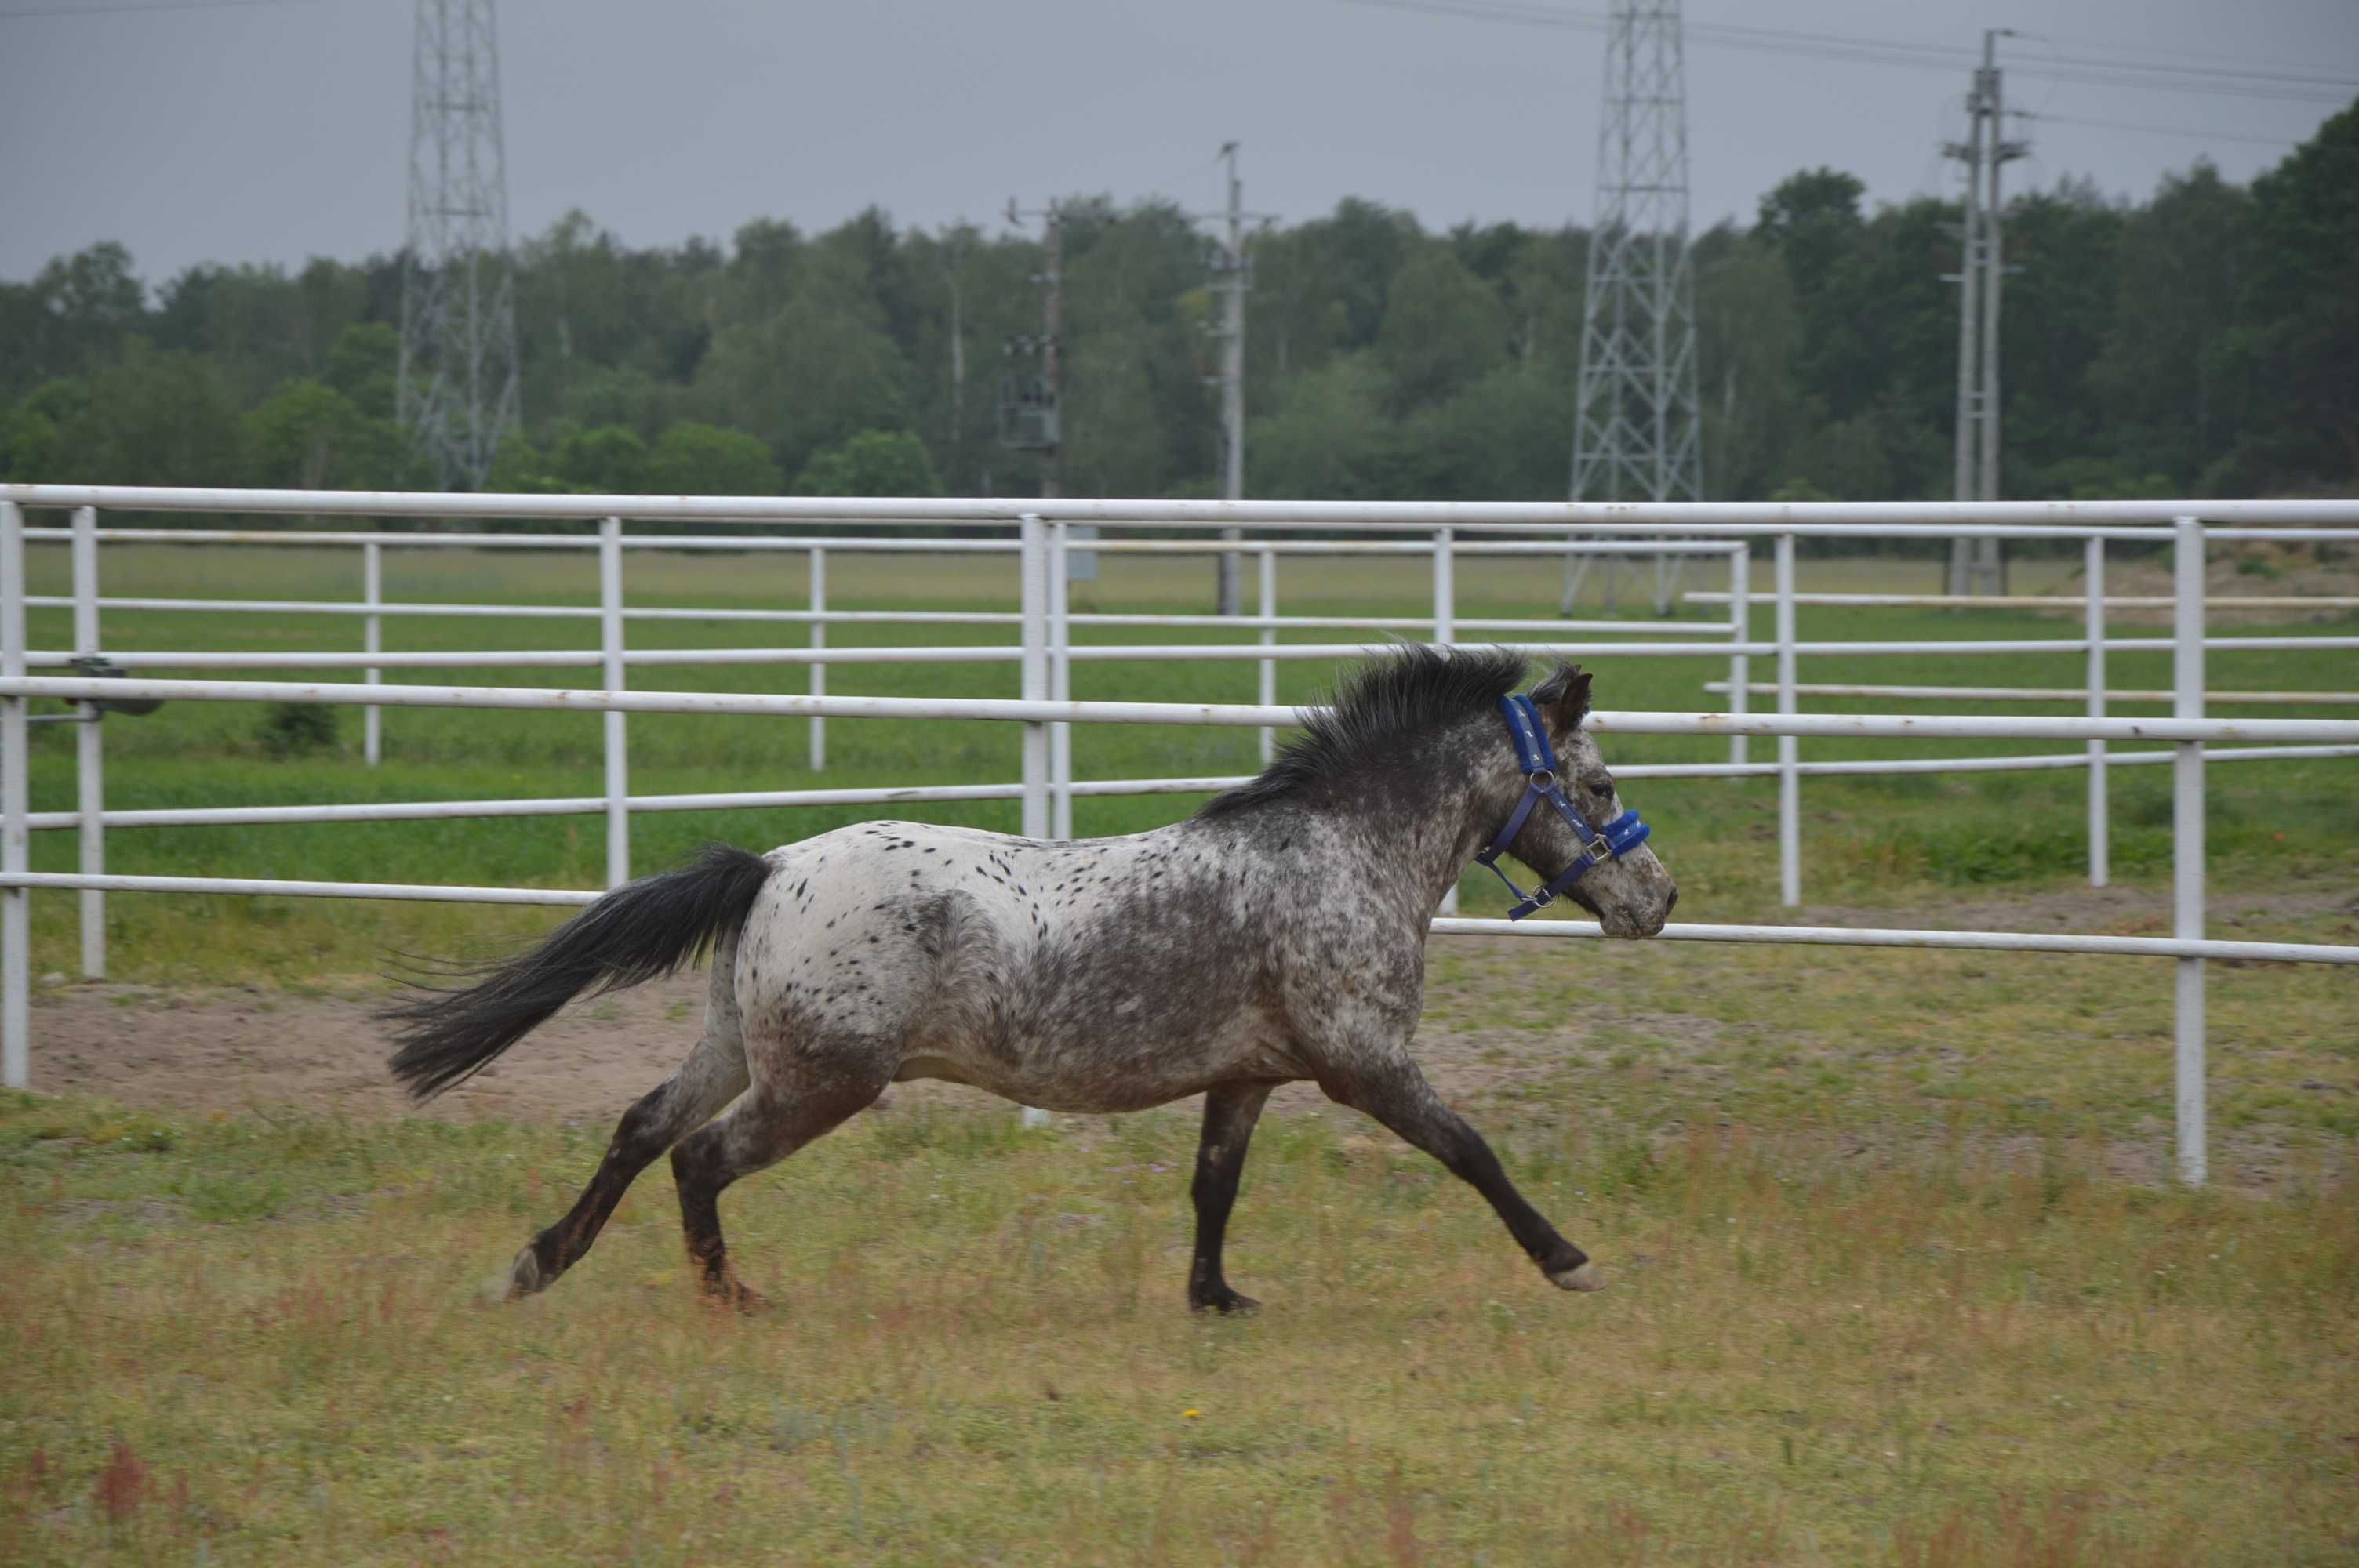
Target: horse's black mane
[1376,707]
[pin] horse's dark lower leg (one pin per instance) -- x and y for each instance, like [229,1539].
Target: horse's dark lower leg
[770,1124]
[1230,1112]
[1398,1096]
[709,1079]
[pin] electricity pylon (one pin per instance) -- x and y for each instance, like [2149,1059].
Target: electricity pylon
[458,379]
[1634,434]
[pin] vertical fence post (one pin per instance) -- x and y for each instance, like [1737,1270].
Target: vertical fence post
[1445,631]
[2100,831]
[818,670]
[1790,778]
[372,642]
[1034,669]
[1265,691]
[1033,564]
[16,928]
[618,779]
[1445,589]
[2186,845]
[1740,626]
[1060,686]
[89,757]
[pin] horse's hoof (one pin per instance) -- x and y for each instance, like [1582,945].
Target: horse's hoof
[732,1296]
[1232,1304]
[523,1279]
[1588,1277]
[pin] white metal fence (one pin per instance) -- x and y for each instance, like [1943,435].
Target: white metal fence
[1047,651]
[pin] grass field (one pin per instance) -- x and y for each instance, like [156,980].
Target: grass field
[1898,1280]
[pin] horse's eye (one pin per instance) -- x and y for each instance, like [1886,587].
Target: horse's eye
[1598,784]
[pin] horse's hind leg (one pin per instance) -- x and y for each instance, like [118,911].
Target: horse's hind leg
[1230,1112]
[798,1098]
[713,1074]
[1390,1089]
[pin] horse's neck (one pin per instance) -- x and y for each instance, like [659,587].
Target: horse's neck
[1426,836]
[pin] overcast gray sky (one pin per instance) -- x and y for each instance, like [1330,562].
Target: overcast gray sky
[274,132]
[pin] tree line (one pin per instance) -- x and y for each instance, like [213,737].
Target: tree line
[2202,342]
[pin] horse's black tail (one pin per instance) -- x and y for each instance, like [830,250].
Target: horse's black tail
[641,931]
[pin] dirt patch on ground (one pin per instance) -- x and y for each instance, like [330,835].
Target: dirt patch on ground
[241,1050]
[2325,912]
[2260,570]
[198,1051]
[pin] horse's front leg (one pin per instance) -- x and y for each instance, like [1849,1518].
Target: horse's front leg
[1230,1112]
[1389,1087]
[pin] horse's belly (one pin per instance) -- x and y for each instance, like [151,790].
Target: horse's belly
[1097,1081]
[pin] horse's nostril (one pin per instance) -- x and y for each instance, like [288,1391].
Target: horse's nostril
[1672,902]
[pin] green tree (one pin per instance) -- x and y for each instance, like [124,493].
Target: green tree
[1443,329]
[874,463]
[308,436]
[2059,315]
[521,467]
[2156,379]
[78,312]
[690,459]
[1328,438]
[605,460]
[153,418]
[2296,342]
[1748,338]
[364,363]
[819,372]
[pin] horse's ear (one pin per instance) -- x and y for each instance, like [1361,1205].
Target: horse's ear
[1563,698]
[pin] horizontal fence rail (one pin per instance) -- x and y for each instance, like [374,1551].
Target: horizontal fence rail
[1806,936]
[918,795]
[2134,519]
[1865,726]
[859,545]
[2037,694]
[2048,601]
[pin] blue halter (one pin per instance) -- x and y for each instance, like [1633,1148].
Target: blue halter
[1537,760]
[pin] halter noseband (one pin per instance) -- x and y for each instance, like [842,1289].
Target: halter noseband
[1537,760]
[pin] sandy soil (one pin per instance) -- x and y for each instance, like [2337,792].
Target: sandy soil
[242,1049]
[2291,570]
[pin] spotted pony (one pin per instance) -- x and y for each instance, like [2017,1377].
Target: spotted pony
[1276,935]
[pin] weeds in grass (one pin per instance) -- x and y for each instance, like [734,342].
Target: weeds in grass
[297,729]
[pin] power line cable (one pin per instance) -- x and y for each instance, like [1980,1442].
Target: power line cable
[146,5]
[2289,142]
[2279,86]
[2211,57]
[2195,132]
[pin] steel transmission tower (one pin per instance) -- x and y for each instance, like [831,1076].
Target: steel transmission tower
[1635,427]
[458,379]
